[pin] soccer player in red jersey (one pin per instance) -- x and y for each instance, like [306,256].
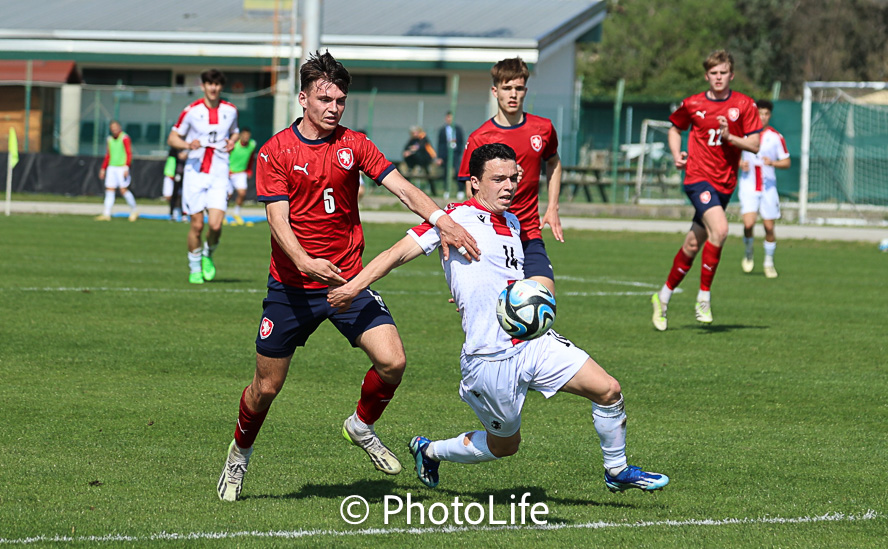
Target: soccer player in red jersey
[534,140]
[308,177]
[722,124]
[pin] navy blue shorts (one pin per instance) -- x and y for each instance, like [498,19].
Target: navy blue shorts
[704,196]
[290,317]
[536,260]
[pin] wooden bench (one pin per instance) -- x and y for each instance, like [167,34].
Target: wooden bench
[586,177]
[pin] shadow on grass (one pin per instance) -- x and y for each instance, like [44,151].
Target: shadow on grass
[725,328]
[374,491]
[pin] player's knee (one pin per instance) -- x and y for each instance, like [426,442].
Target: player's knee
[505,447]
[393,369]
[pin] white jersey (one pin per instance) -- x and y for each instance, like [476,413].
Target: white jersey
[773,147]
[212,128]
[476,285]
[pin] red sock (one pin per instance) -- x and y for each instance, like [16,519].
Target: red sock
[248,424]
[711,256]
[680,267]
[375,396]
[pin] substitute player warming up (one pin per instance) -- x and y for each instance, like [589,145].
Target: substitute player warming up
[722,123]
[497,371]
[308,177]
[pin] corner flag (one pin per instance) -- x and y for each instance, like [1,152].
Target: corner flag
[13,148]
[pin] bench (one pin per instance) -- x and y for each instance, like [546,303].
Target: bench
[586,177]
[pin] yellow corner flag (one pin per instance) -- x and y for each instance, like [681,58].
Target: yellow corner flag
[13,148]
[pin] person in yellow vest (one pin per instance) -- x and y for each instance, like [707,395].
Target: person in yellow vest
[240,164]
[115,171]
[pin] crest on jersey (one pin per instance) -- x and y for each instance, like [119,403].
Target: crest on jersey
[266,327]
[705,197]
[536,142]
[346,158]
[733,114]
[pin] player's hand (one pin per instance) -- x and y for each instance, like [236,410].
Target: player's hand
[744,166]
[321,270]
[767,161]
[520,173]
[194,145]
[453,234]
[126,173]
[451,300]
[723,129]
[229,145]
[102,173]
[340,297]
[682,160]
[553,220]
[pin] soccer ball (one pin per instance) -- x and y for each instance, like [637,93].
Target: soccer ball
[525,309]
[883,245]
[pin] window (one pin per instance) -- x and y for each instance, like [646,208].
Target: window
[388,83]
[127,77]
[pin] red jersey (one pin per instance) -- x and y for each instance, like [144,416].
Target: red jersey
[320,179]
[708,158]
[534,141]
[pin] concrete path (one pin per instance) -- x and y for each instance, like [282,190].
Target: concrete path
[815,232]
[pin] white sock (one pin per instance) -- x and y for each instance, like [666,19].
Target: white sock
[237,209]
[194,260]
[109,202]
[610,424]
[359,427]
[747,241]
[130,199]
[665,295]
[770,248]
[455,449]
[208,251]
[704,295]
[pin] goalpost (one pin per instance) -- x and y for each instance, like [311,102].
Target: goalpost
[844,146]
[654,165]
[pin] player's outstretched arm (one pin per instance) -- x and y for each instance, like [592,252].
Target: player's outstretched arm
[452,233]
[551,217]
[404,251]
[316,268]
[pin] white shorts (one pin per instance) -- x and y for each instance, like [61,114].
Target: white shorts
[237,181]
[203,191]
[496,389]
[167,187]
[114,177]
[766,202]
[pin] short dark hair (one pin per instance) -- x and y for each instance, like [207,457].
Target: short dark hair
[508,70]
[485,153]
[212,76]
[765,104]
[245,129]
[323,67]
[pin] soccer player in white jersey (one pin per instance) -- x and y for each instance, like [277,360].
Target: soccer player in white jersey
[497,371]
[758,189]
[208,129]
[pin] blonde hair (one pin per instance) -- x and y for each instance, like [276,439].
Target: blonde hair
[717,58]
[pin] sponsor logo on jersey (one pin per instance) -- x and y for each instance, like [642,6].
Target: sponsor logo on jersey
[265,328]
[705,197]
[733,114]
[701,114]
[536,143]
[346,158]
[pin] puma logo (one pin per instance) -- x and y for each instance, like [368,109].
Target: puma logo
[701,114]
[303,169]
[264,157]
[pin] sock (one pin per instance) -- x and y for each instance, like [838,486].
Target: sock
[704,295]
[237,210]
[248,424]
[208,250]
[680,267]
[455,449]
[747,241]
[610,424]
[770,248]
[375,396]
[194,260]
[665,295]
[130,199]
[109,202]
[711,256]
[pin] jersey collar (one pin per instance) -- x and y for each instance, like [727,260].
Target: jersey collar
[516,126]
[307,141]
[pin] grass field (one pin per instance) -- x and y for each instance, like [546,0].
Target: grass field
[120,385]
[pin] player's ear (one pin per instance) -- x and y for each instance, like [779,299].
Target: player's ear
[476,185]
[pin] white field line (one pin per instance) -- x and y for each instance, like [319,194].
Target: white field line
[295,534]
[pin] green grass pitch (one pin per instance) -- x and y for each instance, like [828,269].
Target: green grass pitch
[120,385]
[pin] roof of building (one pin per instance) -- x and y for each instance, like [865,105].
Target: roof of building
[63,72]
[455,31]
